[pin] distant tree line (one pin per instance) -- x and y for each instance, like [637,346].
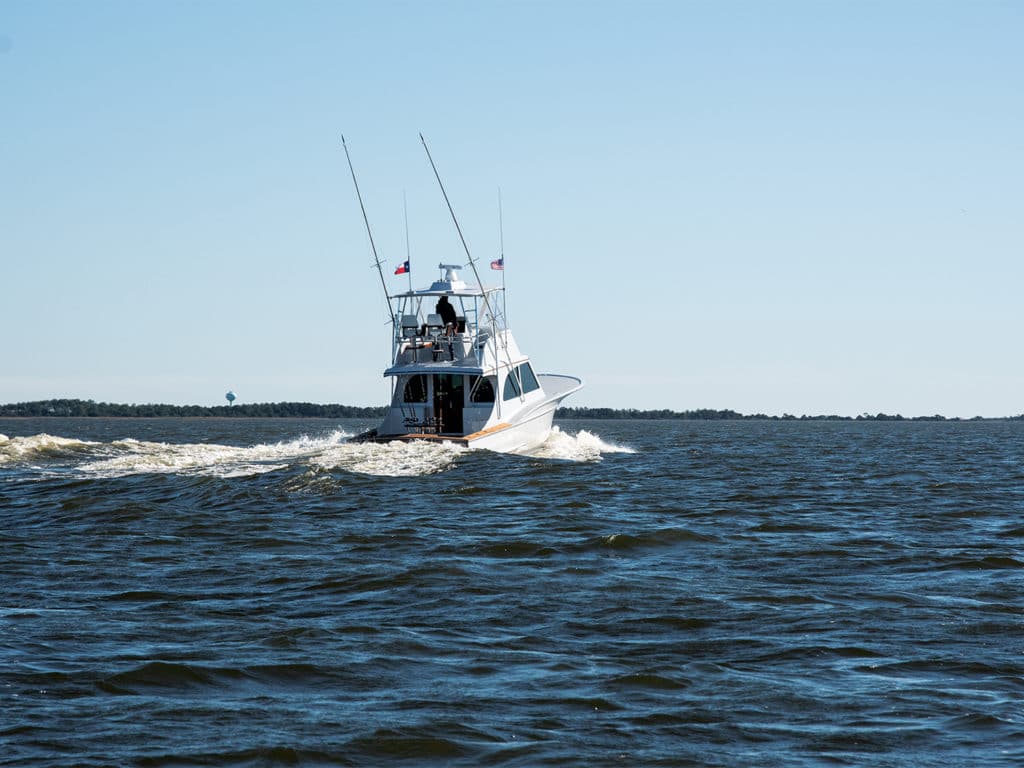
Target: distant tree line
[274,410]
[708,414]
[334,411]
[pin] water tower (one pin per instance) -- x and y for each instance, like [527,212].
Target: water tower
[230,398]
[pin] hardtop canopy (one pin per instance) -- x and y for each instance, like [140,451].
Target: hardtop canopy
[450,284]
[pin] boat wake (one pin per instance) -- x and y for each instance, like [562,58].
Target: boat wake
[134,457]
[120,458]
[49,454]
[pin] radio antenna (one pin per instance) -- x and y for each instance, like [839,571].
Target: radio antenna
[501,260]
[408,257]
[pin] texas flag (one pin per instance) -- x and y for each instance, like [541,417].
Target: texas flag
[498,264]
[402,268]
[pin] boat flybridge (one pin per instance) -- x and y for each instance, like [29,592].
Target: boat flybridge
[464,380]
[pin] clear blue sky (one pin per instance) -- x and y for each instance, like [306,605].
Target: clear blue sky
[803,207]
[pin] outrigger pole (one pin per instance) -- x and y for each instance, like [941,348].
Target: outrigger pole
[472,261]
[369,234]
[479,282]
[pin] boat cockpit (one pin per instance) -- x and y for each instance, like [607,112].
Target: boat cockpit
[447,322]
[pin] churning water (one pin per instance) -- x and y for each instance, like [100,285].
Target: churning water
[261,592]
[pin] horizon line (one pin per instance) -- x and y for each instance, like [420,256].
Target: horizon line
[10,410]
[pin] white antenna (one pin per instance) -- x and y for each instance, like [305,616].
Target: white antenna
[501,260]
[408,258]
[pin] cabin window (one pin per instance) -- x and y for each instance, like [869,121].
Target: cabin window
[511,390]
[481,389]
[415,389]
[529,380]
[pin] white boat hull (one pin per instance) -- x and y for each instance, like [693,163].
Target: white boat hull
[526,431]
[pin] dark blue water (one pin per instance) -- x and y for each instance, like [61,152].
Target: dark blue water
[250,592]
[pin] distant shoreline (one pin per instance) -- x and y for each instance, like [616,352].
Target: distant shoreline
[65,408]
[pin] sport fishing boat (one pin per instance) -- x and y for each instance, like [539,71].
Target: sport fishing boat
[464,380]
[457,374]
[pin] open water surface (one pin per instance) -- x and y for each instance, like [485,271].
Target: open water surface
[259,592]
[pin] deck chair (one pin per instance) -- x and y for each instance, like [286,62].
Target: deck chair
[435,331]
[435,328]
[411,329]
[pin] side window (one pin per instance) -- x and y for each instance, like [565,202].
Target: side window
[481,390]
[529,380]
[415,389]
[511,390]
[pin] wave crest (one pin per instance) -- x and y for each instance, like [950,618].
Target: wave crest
[39,446]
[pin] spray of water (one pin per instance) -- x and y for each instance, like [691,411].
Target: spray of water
[578,446]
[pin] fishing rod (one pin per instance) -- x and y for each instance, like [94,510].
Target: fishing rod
[369,234]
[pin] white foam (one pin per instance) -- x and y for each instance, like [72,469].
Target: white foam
[581,446]
[397,459]
[27,448]
[134,457]
[128,457]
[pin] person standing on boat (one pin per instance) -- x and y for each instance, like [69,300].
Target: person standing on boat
[447,313]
